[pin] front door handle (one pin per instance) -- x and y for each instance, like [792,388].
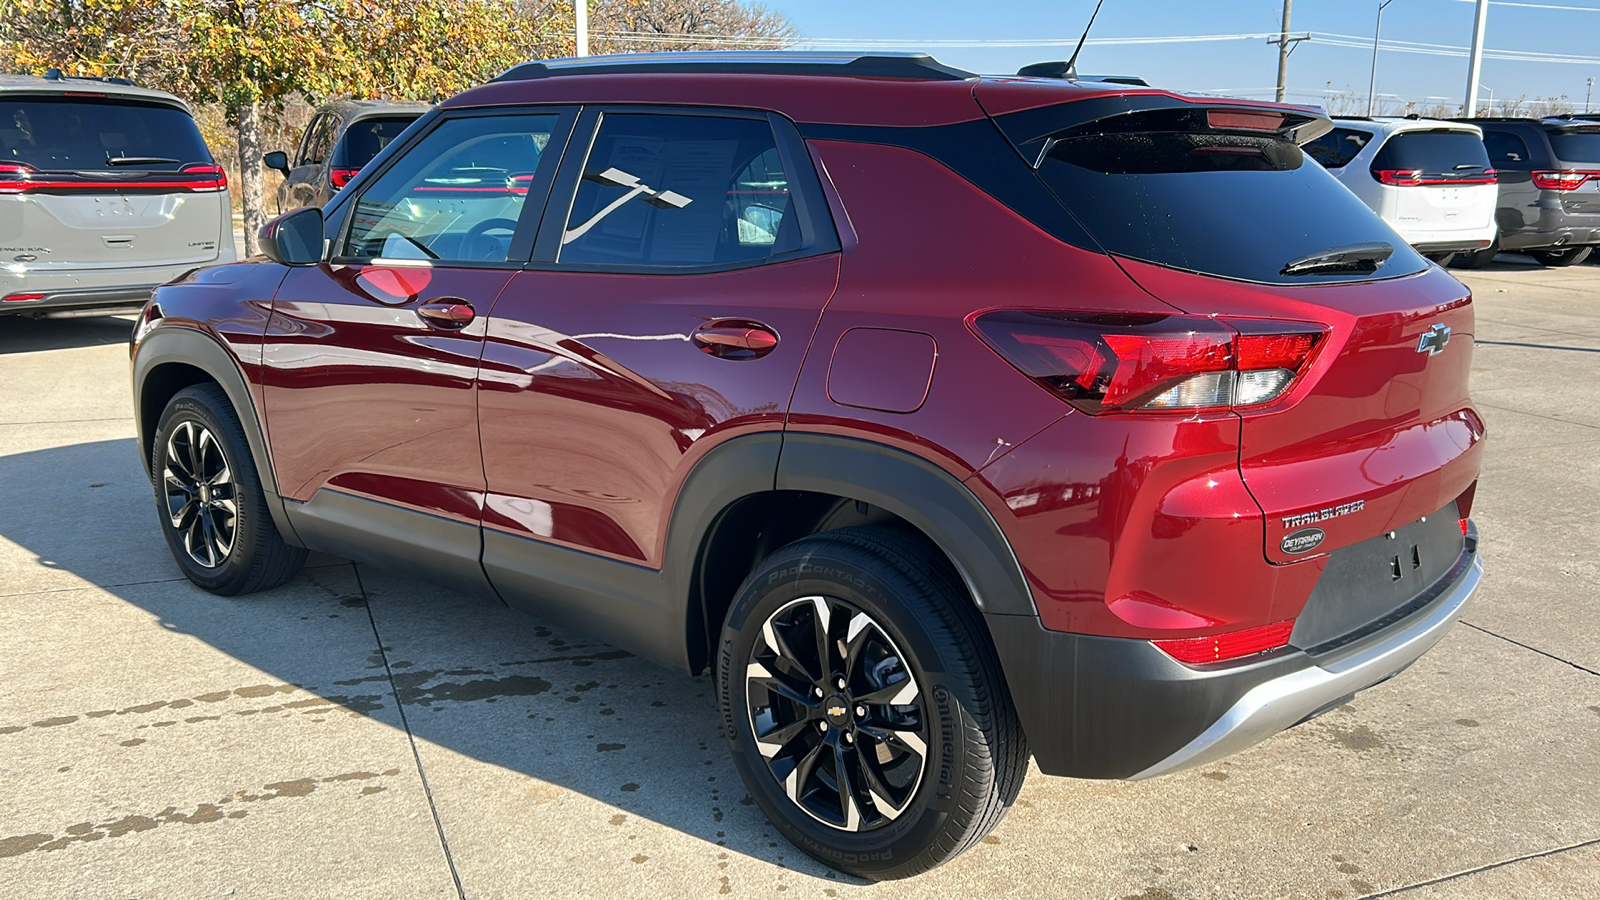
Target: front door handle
[447,312]
[735,339]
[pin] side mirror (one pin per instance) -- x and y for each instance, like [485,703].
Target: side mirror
[277,159]
[294,238]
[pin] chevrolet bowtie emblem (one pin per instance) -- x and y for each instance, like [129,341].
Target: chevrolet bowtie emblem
[1433,340]
[835,711]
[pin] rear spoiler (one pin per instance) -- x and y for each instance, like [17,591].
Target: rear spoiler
[1032,130]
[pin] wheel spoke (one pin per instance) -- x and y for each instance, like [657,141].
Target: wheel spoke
[878,790]
[822,619]
[779,684]
[223,504]
[177,457]
[906,739]
[192,452]
[795,784]
[773,742]
[785,651]
[847,794]
[856,637]
[185,514]
[900,693]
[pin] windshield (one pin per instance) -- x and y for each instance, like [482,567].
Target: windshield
[1577,146]
[1154,187]
[1434,153]
[365,137]
[85,133]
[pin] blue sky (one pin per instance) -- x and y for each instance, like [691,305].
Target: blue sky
[1243,67]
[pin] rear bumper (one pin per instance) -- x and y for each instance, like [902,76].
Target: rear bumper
[1453,246]
[81,301]
[1562,236]
[1097,707]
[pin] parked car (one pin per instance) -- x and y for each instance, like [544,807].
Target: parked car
[944,419]
[1430,180]
[1549,187]
[106,190]
[342,137]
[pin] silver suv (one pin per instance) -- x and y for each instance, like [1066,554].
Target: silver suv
[106,190]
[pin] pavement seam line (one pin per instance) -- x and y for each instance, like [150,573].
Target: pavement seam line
[1536,415]
[1526,647]
[394,690]
[1484,868]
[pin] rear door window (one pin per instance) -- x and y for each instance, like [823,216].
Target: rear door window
[1433,154]
[457,195]
[91,133]
[1335,149]
[680,190]
[1506,151]
[1163,187]
[1580,146]
[366,137]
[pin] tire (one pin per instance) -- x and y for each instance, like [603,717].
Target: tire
[1560,256]
[1477,259]
[1443,259]
[199,439]
[924,676]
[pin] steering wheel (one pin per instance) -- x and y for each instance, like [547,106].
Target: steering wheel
[476,234]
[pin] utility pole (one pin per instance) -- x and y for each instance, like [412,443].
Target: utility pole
[1475,63]
[1372,81]
[581,12]
[1286,45]
[1588,95]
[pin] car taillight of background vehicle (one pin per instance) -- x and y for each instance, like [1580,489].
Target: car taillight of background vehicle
[1229,646]
[1412,177]
[1105,363]
[339,176]
[20,178]
[1562,179]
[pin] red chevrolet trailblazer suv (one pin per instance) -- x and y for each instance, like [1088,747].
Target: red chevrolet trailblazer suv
[945,419]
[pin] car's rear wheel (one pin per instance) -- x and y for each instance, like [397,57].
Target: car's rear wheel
[1560,256]
[1443,259]
[213,512]
[1475,259]
[866,710]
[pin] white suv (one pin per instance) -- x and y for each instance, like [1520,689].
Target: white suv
[1429,179]
[106,190]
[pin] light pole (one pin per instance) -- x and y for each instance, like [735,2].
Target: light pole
[1372,83]
[1588,95]
[1491,102]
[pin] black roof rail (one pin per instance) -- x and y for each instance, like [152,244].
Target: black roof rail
[918,66]
[1353,118]
[54,74]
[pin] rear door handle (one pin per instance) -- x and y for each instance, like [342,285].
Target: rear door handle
[735,339]
[447,312]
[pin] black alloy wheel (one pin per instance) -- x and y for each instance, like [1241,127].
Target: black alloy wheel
[213,511]
[864,704]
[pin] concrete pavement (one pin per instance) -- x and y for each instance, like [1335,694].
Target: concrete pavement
[358,734]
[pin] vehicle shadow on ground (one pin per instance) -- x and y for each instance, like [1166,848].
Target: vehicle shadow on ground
[471,676]
[23,335]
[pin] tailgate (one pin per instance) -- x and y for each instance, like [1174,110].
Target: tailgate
[116,230]
[1379,432]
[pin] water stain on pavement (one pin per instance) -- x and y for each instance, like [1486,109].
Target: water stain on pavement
[204,813]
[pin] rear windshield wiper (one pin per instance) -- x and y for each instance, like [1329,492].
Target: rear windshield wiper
[139,160]
[1348,258]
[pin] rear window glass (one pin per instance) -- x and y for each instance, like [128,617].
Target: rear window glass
[73,133]
[1434,153]
[1163,189]
[1577,146]
[1335,149]
[365,137]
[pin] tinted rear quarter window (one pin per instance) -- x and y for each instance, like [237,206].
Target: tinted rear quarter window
[1161,187]
[85,133]
[366,137]
[1335,149]
[1433,153]
[1506,150]
[1576,146]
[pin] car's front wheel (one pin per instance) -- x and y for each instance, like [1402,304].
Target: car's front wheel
[209,498]
[1476,259]
[1560,256]
[864,705]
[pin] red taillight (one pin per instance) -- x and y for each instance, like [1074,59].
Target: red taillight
[1414,177]
[1562,180]
[21,298]
[1232,645]
[216,178]
[339,176]
[14,177]
[1103,363]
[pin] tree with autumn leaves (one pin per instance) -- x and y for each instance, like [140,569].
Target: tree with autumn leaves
[253,56]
